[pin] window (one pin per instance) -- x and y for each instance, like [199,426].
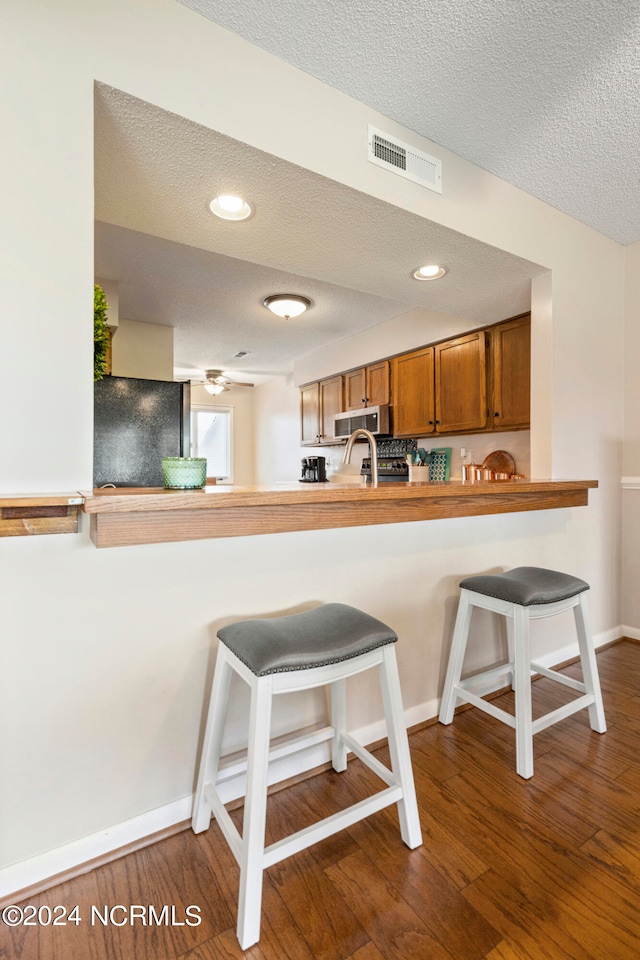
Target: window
[211,431]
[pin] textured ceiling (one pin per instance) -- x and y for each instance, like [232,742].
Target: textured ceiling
[543,93]
[350,254]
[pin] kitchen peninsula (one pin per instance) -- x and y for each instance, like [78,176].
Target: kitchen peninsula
[129,516]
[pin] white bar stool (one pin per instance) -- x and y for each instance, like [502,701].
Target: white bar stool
[280,655]
[521,595]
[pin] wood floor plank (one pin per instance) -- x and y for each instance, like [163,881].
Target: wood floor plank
[519,798]
[608,803]
[298,807]
[549,875]
[620,856]
[507,950]
[370,952]
[280,938]
[530,931]
[393,926]
[173,873]
[445,913]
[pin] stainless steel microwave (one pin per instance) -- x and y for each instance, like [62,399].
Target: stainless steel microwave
[373,419]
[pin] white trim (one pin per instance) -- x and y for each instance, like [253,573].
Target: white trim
[630,483]
[70,855]
[39,868]
[632,632]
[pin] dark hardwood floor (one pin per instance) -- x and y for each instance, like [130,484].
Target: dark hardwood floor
[547,869]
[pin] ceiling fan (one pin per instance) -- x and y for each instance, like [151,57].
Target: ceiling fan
[215,382]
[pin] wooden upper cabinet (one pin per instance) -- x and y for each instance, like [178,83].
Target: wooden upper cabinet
[377,383]
[310,413]
[367,386]
[330,404]
[413,397]
[479,382]
[355,389]
[461,383]
[510,374]
[319,402]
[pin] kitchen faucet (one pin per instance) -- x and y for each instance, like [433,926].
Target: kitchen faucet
[361,432]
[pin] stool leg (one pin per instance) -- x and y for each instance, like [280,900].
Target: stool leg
[399,748]
[212,743]
[255,812]
[338,693]
[589,666]
[522,681]
[511,647]
[456,657]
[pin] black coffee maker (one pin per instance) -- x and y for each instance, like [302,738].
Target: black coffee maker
[313,470]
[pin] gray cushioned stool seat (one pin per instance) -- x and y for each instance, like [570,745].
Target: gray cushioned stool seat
[328,634]
[526,585]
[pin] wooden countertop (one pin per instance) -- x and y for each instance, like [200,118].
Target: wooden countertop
[34,514]
[128,516]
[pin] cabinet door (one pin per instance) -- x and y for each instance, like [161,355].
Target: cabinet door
[377,383]
[310,413]
[355,389]
[330,404]
[412,392]
[511,374]
[461,383]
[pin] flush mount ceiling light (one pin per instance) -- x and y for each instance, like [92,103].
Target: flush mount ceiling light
[432,271]
[228,206]
[286,305]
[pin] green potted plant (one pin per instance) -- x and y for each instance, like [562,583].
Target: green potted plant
[101,335]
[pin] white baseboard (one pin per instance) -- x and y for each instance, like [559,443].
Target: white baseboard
[28,873]
[632,632]
[571,650]
[36,869]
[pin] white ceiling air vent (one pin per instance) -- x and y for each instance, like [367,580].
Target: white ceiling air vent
[404,160]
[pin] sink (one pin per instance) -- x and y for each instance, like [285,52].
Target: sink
[346,473]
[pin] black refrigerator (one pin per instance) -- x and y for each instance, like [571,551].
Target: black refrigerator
[136,424]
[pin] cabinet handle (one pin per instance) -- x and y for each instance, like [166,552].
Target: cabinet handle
[430,423]
[437,421]
[496,414]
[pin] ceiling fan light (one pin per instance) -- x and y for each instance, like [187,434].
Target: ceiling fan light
[214,388]
[286,305]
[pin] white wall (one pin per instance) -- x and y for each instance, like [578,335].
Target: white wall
[277,431]
[631,464]
[106,652]
[409,330]
[142,350]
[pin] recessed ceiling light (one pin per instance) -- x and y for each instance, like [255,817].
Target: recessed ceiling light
[286,305]
[228,206]
[432,271]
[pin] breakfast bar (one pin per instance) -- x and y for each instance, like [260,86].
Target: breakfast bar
[129,516]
